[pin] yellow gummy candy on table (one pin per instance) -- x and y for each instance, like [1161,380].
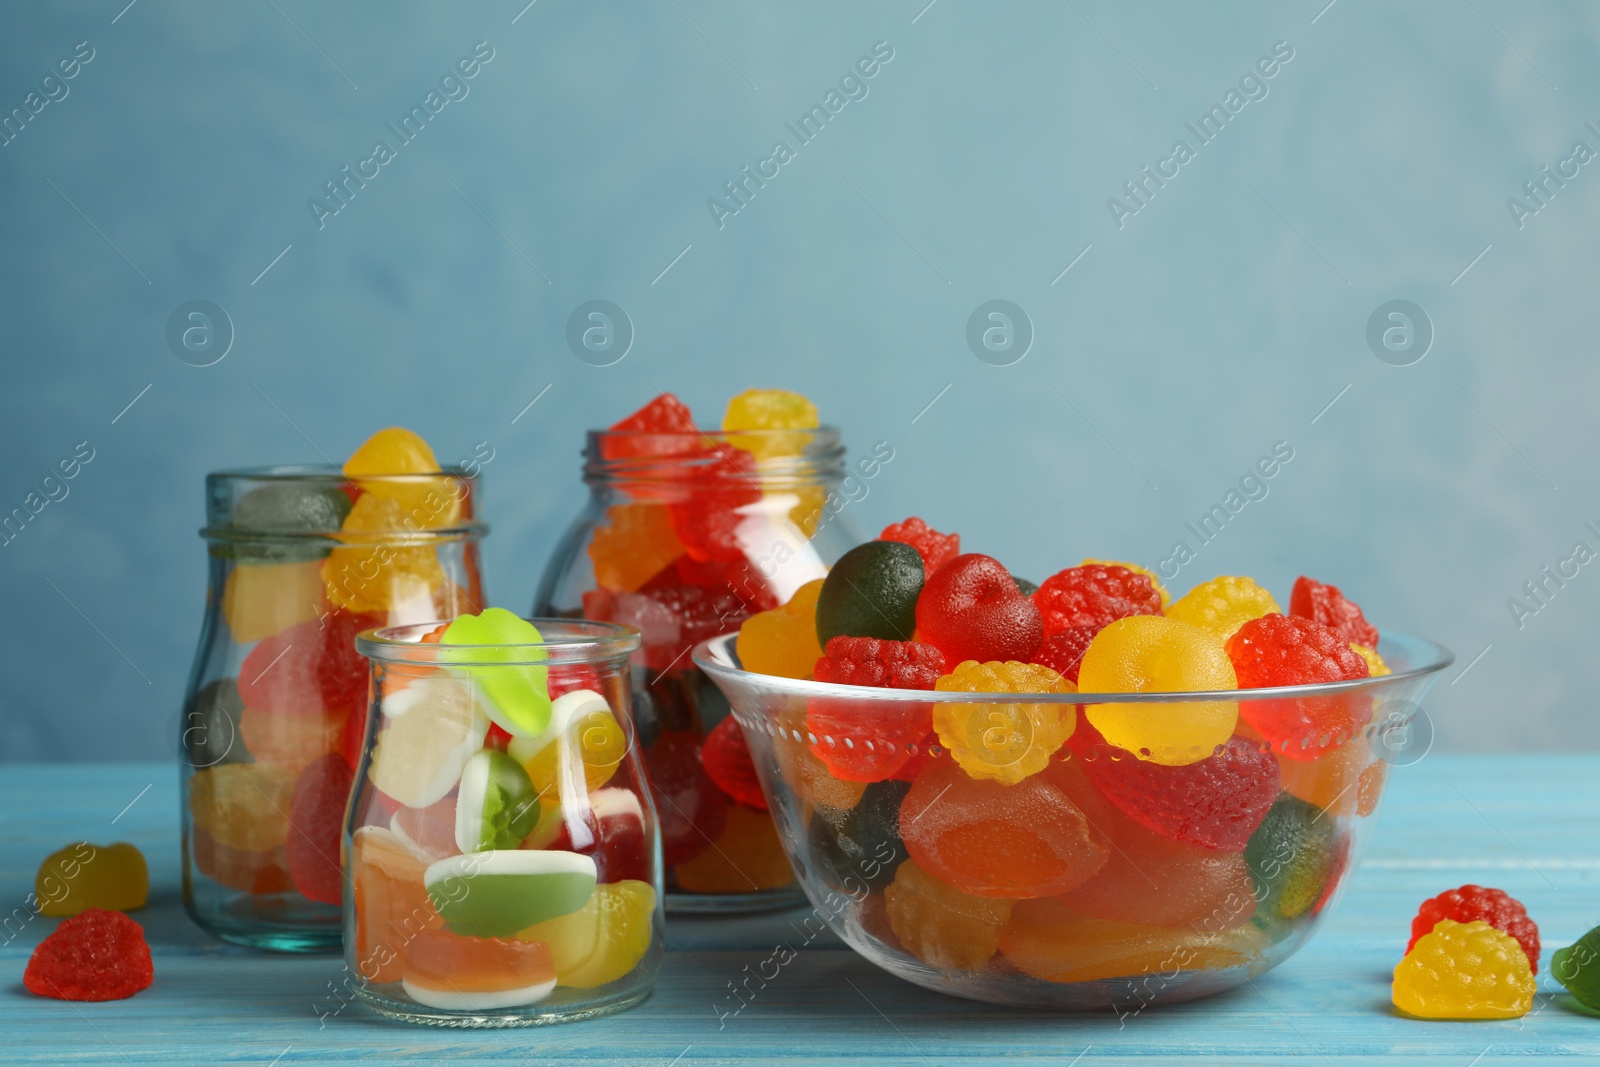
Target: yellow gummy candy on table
[1157,654]
[1376,668]
[783,641]
[243,805]
[371,574]
[113,877]
[1003,742]
[941,925]
[260,599]
[1166,597]
[605,939]
[636,543]
[769,409]
[1223,604]
[1464,971]
[1049,941]
[747,857]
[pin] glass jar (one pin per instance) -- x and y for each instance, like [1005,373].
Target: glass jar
[502,851]
[684,536]
[301,559]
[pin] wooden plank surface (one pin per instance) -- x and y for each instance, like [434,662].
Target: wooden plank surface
[1530,824]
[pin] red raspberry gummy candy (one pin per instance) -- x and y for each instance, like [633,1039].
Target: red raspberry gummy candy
[971,608]
[726,757]
[95,955]
[1063,650]
[871,741]
[666,414]
[879,663]
[708,516]
[316,820]
[1094,595]
[935,548]
[1476,903]
[1311,599]
[1279,650]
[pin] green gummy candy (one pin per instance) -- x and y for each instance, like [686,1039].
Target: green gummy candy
[1578,968]
[871,592]
[1291,856]
[497,894]
[518,696]
[285,508]
[496,806]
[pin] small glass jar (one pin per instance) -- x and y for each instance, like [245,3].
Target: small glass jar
[502,852]
[301,560]
[684,536]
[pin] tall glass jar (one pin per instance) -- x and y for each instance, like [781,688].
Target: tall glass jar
[502,851]
[300,559]
[684,536]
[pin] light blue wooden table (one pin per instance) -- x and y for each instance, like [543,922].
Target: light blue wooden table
[1528,824]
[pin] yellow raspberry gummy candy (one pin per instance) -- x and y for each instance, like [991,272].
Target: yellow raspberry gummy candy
[783,641]
[1003,742]
[1464,971]
[1376,668]
[769,409]
[1223,604]
[1158,654]
[1166,597]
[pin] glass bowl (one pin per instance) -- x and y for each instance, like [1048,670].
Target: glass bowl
[995,846]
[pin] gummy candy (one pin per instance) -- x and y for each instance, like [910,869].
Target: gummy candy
[242,805]
[210,732]
[880,664]
[783,641]
[858,742]
[429,731]
[1474,902]
[454,973]
[1093,595]
[1152,654]
[746,857]
[1324,603]
[1048,940]
[941,925]
[690,807]
[1223,604]
[95,955]
[497,893]
[309,668]
[636,543]
[496,804]
[610,831]
[316,822]
[726,758]
[288,507]
[604,940]
[581,731]
[672,617]
[1003,742]
[719,495]
[242,869]
[391,905]
[871,592]
[516,693]
[260,599]
[935,548]
[1294,856]
[291,739]
[1376,668]
[1464,971]
[82,876]
[1214,803]
[567,678]
[995,840]
[431,831]
[1342,781]
[394,451]
[1063,650]
[663,427]
[1574,967]
[1155,582]
[862,846]
[769,409]
[972,609]
[812,780]
[1277,650]
[369,572]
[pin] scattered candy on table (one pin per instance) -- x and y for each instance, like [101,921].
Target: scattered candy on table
[95,955]
[82,876]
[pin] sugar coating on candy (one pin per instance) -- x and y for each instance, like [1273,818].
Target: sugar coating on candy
[316,821]
[726,758]
[1472,903]
[1003,742]
[783,641]
[1063,650]
[935,548]
[95,955]
[880,664]
[242,805]
[1223,604]
[1094,595]
[1155,582]
[1311,599]
[1464,971]
[971,608]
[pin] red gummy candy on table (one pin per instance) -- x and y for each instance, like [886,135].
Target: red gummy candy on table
[310,667]
[95,955]
[1216,803]
[705,513]
[1277,650]
[316,822]
[935,548]
[1311,599]
[879,663]
[1094,595]
[1063,650]
[726,758]
[665,415]
[971,608]
[693,811]
[1477,903]
[611,832]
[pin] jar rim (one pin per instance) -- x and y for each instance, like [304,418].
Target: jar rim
[326,472]
[667,457]
[571,641]
[452,479]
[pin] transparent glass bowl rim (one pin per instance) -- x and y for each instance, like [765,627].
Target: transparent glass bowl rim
[572,641]
[332,476]
[1426,658]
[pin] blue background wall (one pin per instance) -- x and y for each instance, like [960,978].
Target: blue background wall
[1221,318]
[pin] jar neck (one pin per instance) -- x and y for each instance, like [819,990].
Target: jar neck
[766,459]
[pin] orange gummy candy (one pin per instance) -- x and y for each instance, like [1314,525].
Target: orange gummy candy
[391,903]
[783,641]
[635,545]
[941,925]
